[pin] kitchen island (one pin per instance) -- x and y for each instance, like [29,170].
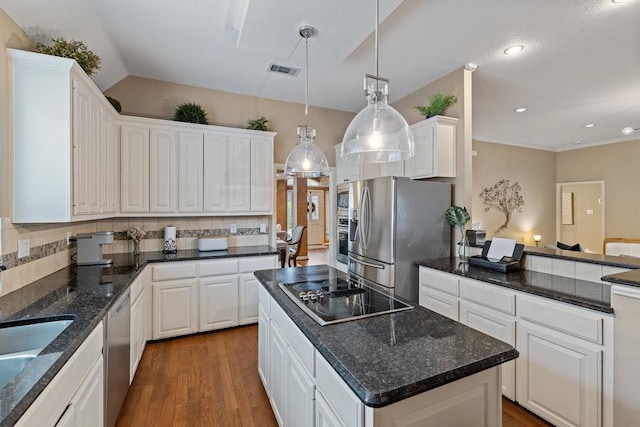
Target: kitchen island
[409,366]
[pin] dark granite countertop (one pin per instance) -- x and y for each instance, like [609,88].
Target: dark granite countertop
[86,293]
[630,278]
[388,358]
[592,295]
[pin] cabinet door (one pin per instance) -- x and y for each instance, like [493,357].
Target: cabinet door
[263,347]
[249,286]
[190,171]
[68,419]
[439,302]
[262,175]
[175,309]
[218,302]
[83,155]
[350,171]
[163,170]
[109,164]
[134,160]
[559,377]
[277,372]
[239,164]
[324,415]
[215,173]
[498,326]
[89,399]
[138,332]
[299,394]
[422,164]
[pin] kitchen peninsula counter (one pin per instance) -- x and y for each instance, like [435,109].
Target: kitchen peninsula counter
[86,293]
[582,293]
[387,358]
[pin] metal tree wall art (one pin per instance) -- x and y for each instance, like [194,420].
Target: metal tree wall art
[504,197]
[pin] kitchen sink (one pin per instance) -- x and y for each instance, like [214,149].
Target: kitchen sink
[21,342]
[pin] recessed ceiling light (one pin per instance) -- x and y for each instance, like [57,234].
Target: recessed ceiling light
[590,125]
[513,50]
[618,1]
[520,110]
[628,130]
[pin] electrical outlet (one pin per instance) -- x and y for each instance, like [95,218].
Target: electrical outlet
[69,234]
[263,228]
[233,229]
[23,248]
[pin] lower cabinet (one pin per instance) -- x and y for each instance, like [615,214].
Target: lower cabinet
[75,396]
[564,371]
[218,302]
[140,320]
[324,415]
[299,393]
[277,372]
[559,377]
[175,310]
[248,299]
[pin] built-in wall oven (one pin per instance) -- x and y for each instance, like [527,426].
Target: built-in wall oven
[343,239]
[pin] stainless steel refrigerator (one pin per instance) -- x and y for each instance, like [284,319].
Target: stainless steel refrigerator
[394,222]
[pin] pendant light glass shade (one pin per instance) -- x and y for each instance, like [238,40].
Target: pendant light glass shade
[306,160]
[378,133]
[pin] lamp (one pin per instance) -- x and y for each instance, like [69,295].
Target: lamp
[306,160]
[629,130]
[378,133]
[537,238]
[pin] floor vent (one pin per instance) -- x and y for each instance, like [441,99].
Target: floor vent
[292,71]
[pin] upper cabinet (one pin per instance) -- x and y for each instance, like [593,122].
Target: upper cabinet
[170,167]
[65,142]
[435,142]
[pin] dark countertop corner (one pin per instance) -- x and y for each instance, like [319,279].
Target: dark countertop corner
[629,278]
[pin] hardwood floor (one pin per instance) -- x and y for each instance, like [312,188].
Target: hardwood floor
[212,380]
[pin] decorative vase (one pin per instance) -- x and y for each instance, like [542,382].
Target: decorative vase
[136,247]
[463,249]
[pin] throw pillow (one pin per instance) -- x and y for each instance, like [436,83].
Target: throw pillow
[564,246]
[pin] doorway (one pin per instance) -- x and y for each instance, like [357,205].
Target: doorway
[316,217]
[580,214]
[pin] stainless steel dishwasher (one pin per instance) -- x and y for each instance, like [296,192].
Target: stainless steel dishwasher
[116,358]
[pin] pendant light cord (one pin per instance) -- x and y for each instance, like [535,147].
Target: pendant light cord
[376,35]
[306,88]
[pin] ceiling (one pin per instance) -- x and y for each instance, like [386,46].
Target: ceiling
[580,64]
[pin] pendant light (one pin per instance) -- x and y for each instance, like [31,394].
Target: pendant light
[378,133]
[306,160]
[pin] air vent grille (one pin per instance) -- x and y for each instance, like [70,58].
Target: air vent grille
[292,71]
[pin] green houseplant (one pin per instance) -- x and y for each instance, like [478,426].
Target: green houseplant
[438,103]
[116,104]
[258,124]
[73,49]
[457,216]
[190,112]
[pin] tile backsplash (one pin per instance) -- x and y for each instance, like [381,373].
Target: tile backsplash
[49,251]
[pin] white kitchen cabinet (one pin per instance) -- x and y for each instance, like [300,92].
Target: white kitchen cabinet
[190,171]
[140,321]
[59,129]
[175,308]
[75,396]
[215,187]
[439,302]
[277,372]
[263,346]
[324,416]
[239,174]
[134,159]
[435,147]
[498,326]
[248,294]
[346,171]
[163,169]
[110,165]
[299,393]
[559,377]
[218,302]
[262,175]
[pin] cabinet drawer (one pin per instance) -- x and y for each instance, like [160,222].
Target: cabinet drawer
[488,295]
[219,267]
[439,302]
[174,271]
[344,402]
[443,282]
[300,344]
[587,326]
[249,265]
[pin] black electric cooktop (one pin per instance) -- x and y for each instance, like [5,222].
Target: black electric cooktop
[340,300]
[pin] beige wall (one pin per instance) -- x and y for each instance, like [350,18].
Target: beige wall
[586,228]
[617,165]
[535,171]
[154,98]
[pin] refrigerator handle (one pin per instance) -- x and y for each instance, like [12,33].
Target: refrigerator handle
[365,216]
[368,264]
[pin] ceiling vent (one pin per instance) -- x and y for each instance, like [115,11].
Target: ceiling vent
[292,71]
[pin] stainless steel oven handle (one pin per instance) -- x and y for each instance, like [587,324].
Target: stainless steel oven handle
[368,264]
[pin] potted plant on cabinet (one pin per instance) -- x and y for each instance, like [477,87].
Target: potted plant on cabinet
[86,59]
[258,124]
[190,112]
[438,103]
